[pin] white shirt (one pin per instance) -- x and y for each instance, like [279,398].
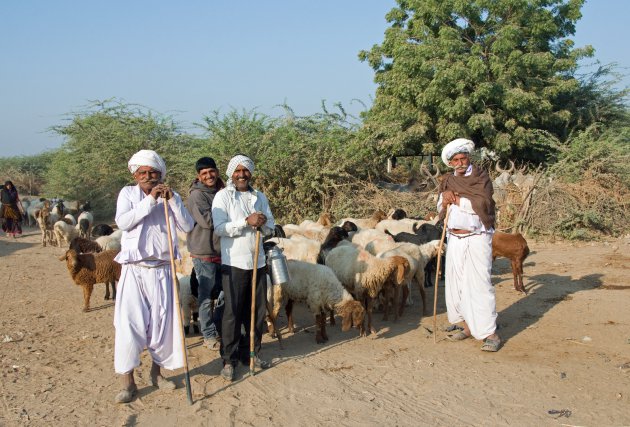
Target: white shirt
[230,208]
[463,216]
[142,220]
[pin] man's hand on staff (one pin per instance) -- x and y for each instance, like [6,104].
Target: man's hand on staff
[162,190]
[257,219]
[450,198]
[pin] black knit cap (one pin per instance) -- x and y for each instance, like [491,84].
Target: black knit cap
[205,163]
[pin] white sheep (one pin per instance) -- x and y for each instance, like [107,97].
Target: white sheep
[421,255]
[365,236]
[362,223]
[187,301]
[298,248]
[64,232]
[85,222]
[364,275]
[318,286]
[111,242]
[396,226]
[69,219]
[311,229]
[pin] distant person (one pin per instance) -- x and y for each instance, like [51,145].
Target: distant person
[145,312]
[205,248]
[470,296]
[11,210]
[237,211]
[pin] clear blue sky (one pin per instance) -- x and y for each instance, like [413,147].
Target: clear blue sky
[189,58]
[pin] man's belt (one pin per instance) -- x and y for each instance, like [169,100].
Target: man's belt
[459,231]
[213,259]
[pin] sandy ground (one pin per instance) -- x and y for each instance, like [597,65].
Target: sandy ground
[567,348]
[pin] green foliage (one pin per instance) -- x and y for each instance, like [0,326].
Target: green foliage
[301,162]
[579,225]
[26,172]
[599,151]
[92,163]
[501,72]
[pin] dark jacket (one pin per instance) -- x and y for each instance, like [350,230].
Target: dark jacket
[202,241]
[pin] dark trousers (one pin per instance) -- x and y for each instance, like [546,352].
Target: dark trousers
[237,289]
[209,278]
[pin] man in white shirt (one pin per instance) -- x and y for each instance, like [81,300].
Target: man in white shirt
[470,296]
[237,211]
[145,313]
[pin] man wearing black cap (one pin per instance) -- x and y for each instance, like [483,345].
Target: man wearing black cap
[204,246]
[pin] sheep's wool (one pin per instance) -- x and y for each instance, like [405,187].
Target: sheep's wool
[459,145]
[147,158]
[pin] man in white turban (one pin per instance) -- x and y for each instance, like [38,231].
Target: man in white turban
[237,211]
[470,296]
[144,316]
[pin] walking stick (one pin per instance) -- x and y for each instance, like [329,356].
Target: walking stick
[176,301]
[252,353]
[437,275]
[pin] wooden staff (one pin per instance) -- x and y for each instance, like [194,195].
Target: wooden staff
[176,301]
[437,274]
[252,352]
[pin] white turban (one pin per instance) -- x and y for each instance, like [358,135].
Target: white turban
[147,158]
[459,145]
[239,160]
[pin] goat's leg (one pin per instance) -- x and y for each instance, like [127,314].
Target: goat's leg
[106,291]
[515,270]
[323,319]
[420,276]
[396,303]
[87,293]
[520,277]
[289,311]
[370,305]
[318,329]
[332,317]
[405,294]
[386,296]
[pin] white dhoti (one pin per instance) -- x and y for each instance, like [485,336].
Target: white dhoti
[470,296]
[144,317]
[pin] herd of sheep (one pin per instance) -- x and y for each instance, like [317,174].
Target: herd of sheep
[345,269]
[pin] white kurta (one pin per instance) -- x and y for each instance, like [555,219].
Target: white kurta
[230,208]
[144,316]
[470,296]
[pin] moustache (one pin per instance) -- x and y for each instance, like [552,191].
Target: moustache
[150,181]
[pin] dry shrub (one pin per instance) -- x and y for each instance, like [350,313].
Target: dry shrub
[580,210]
[364,198]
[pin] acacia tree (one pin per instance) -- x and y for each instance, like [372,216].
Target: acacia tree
[501,72]
[92,163]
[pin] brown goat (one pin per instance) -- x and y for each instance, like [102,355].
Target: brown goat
[85,246]
[88,269]
[514,247]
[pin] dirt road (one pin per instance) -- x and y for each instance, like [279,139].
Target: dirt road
[567,350]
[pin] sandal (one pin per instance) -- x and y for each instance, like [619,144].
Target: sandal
[162,383]
[490,344]
[126,395]
[461,335]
